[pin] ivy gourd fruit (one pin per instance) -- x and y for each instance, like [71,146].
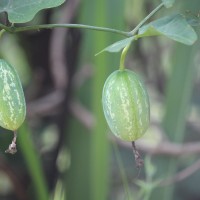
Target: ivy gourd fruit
[126,105]
[12,101]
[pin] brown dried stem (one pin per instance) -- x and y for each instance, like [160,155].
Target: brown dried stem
[138,159]
[12,149]
[58,60]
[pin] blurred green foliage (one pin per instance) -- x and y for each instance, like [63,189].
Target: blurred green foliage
[59,155]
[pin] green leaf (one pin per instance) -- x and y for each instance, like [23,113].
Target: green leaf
[168,3]
[117,46]
[174,27]
[21,11]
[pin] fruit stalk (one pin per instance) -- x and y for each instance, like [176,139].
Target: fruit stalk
[123,57]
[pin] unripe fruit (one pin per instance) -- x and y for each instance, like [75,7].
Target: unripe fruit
[126,105]
[12,102]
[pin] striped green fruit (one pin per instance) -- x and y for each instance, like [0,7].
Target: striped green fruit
[12,102]
[126,105]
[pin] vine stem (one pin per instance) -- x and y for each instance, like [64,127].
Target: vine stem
[134,31]
[13,29]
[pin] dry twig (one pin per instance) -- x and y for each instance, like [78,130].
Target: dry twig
[12,149]
[48,103]
[138,159]
[58,62]
[167,148]
[185,173]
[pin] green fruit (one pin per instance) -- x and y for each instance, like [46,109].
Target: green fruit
[12,102]
[126,105]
